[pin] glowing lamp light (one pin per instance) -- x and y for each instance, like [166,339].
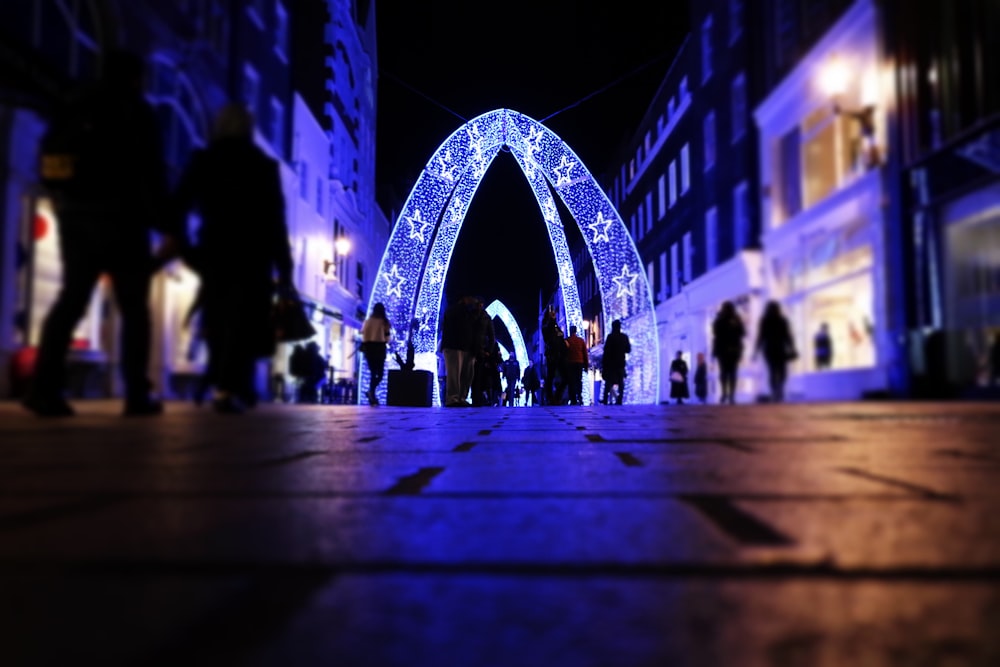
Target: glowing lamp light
[342,245]
[834,77]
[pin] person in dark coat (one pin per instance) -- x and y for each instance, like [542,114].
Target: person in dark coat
[727,348]
[774,341]
[512,373]
[531,384]
[679,379]
[241,244]
[555,358]
[459,345]
[103,167]
[823,347]
[616,347]
[701,378]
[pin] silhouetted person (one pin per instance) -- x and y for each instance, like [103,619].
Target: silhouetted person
[102,165]
[727,347]
[531,384]
[995,360]
[701,378]
[616,346]
[576,363]
[679,379]
[459,346]
[310,368]
[823,347]
[774,341]
[376,331]
[555,358]
[241,245]
[512,373]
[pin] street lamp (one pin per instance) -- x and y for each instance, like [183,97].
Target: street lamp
[342,245]
[835,79]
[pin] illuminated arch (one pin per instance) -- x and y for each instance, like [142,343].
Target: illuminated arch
[410,280]
[498,309]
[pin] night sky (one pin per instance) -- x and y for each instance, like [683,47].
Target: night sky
[442,62]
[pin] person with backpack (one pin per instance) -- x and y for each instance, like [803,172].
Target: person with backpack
[102,166]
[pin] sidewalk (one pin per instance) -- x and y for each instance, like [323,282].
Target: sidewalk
[797,534]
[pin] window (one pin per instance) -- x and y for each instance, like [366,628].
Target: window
[319,196]
[685,168]
[673,182]
[675,272]
[706,49]
[631,223]
[741,216]
[304,180]
[360,273]
[277,125]
[649,211]
[662,195]
[251,87]
[790,165]
[708,128]
[711,238]
[738,90]
[281,31]
[640,228]
[663,276]
[688,256]
[735,20]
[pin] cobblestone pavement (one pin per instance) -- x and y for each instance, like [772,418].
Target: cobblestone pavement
[809,534]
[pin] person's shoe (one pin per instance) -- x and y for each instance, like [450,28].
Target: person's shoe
[48,406]
[143,407]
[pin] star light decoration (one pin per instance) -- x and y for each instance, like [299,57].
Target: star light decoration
[625,282]
[444,192]
[562,171]
[395,280]
[600,228]
[417,226]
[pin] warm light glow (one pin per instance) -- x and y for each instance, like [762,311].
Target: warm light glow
[342,245]
[835,77]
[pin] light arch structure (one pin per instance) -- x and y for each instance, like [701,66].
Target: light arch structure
[520,351]
[411,277]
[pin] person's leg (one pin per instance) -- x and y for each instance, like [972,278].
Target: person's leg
[80,273]
[131,287]
[467,373]
[453,376]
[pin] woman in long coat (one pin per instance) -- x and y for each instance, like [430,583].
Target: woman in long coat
[727,347]
[679,379]
[241,244]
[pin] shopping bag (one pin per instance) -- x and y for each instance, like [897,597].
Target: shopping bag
[289,319]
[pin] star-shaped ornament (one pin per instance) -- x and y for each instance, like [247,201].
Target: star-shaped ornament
[417,226]
[395,280]
[600,228]
[562,171]
[625,282]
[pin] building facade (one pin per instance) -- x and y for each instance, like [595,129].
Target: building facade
[199,56]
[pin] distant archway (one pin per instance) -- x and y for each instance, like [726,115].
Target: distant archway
[410,280]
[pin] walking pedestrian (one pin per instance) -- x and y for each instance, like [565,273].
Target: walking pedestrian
[727,348]
[555,358]
[679,379]
[103,167]
[774,341]
[459,346]
[616,347]
[512,373]
[531,384]
[240,247]
[576,364]
[701,378]
[376,331]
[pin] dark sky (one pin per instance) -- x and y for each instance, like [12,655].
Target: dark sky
[443,62]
